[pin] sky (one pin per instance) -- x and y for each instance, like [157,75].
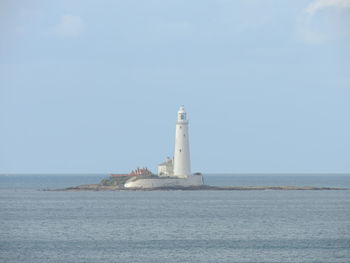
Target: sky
[93,86]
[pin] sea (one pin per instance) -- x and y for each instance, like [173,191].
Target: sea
[175,226]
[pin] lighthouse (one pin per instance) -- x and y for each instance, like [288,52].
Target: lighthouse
[174,172]
[182,163]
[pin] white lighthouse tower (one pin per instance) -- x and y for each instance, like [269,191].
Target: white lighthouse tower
[182,162]
[173,172]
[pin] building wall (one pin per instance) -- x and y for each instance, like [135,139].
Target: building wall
[166,169]
[191,180]
[182,163]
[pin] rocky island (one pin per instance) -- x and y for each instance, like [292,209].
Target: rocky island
[117,183]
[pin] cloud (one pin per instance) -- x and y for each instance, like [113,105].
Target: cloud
[332,24]
[318,5]
[70,25]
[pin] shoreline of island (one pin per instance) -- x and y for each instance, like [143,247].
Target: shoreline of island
[98,187]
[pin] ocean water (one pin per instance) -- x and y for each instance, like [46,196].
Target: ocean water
[174,226]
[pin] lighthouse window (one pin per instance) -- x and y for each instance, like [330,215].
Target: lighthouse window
[180,150]
[182,116]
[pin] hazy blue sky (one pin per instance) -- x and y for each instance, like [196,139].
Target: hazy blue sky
[94,86]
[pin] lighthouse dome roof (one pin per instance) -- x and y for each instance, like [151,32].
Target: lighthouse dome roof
[182,108]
